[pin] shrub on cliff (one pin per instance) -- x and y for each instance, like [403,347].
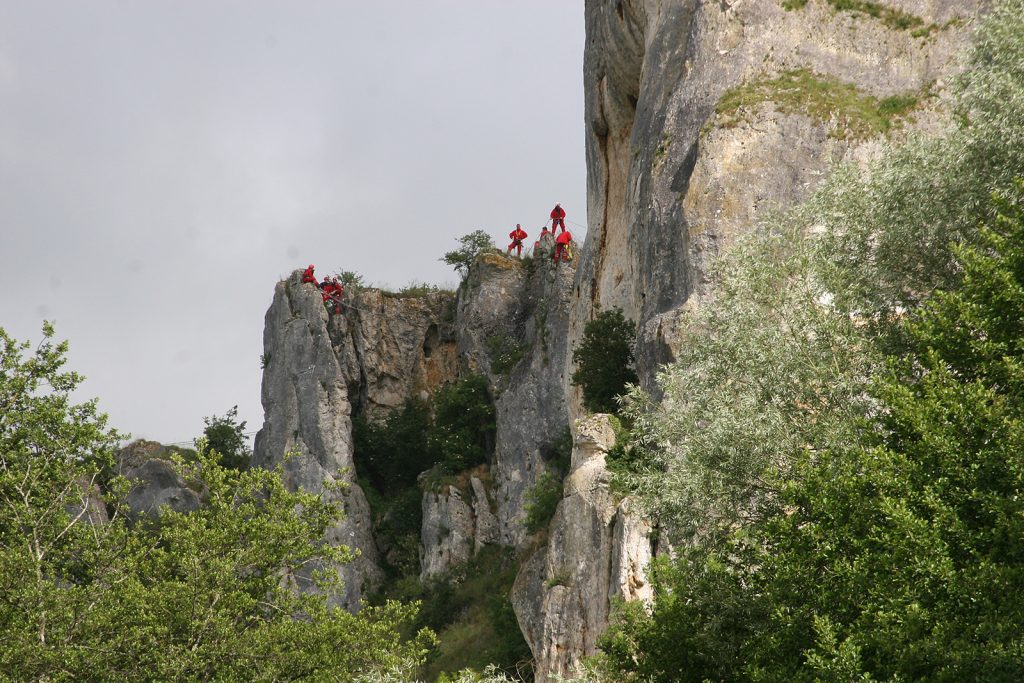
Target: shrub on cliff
[604,360]
[462,435]
[225,436]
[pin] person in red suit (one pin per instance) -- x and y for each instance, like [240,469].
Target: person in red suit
[557,217]
[517,236]
[307,275]
[562,245]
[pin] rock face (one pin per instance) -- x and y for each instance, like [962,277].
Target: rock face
[672,178]
[512,326]
[597,549]
[318,368]
[457,524]
[669,181]
[155,483]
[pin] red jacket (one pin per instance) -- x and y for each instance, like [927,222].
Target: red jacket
[518,234]
[564,238]
[557,212]
[307,275]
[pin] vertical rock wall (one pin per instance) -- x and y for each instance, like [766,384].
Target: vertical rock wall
[507,306]
[597,549]
[669,182]
[318,368]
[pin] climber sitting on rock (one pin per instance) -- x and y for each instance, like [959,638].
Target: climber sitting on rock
[517,236]
[307,275]
[562,243]
[557,217]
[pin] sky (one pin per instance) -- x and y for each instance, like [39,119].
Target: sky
[164,163]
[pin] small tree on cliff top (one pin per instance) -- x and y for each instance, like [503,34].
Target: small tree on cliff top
[472,244]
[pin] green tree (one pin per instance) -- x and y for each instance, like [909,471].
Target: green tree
[462,435]
[225,436]
[222,593]
[393,451]
[469,246]
[892,559]
[604,360]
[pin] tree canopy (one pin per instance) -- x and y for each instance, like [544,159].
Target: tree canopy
[221,593]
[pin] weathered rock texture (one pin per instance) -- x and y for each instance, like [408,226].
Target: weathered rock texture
[597,549]
[508,309]
[668,184]
[319,367]
[155,482]
[457,523]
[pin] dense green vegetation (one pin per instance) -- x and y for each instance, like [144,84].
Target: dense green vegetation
[838,456]
[219,594]
[448,437]
[472,614]
[856,115]
[604,360]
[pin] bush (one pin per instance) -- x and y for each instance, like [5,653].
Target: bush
[542,501]
[393,452]
[604,360]
[462,435]
[471,245]
[198,596]
[505,353]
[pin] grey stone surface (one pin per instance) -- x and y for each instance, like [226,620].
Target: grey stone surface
[504,299]
[307,428]
[667,186]
[597,549]
[447,533]
[321,368]
[457,523]
[155,483]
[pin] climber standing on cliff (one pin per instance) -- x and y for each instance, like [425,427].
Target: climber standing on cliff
[562,243]
[517,236]
[557,217]
[307,275]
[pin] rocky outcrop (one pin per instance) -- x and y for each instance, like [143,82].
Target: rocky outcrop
[597,549]
[156,483]
[392,348]
[457,523]
[319,368]
[512,324]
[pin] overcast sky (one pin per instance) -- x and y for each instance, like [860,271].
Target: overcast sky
[164,164]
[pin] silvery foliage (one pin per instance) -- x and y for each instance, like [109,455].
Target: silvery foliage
[491,674]
[765,370]
[776,362]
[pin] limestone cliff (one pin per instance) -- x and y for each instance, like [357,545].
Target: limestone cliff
[318,368]
[701,117]
[672,175]
[596,550]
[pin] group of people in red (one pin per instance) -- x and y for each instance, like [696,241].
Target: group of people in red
[562,240]
[330,288]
